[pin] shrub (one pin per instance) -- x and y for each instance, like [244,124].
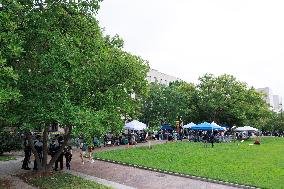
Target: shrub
[9,141]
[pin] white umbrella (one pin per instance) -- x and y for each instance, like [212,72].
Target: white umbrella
[246,128]
[188,126]
[135,125]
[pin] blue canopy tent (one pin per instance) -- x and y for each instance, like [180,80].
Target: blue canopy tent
[207,127]
[166,127]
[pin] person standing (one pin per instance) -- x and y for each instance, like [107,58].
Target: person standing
[212,139]
[205,139]
[83,152]
[68,156]
[27,151]
[52,148]
[60,158]
[90,150]
[39,148]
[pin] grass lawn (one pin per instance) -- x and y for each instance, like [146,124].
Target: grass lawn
[255,165]
[63,181]
[7,158]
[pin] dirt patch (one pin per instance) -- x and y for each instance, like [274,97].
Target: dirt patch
[5,183]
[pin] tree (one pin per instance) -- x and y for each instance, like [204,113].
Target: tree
[227,101]
[10,51]
[180,102]
[166,104]
[70,73]
[273,122]
[153,105]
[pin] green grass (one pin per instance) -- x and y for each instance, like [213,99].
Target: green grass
[257,165]
[64,181]
[7,158]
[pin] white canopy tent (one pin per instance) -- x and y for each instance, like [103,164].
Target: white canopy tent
[246,128]
[188,126]
[135,125]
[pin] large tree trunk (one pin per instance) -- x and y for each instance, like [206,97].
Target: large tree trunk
[66,139]
[35,152]
[41,165]
[44,166]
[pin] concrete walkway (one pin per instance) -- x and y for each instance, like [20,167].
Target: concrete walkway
[138,178]
[8,172]
[100,181]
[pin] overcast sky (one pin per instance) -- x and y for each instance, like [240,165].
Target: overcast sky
[187,38]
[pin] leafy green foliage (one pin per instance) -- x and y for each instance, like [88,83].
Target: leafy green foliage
[72,73]
[222,99]
[272,122]
[225,100]
[7,158]
[64,181]
[260,166]
[67,71]
[9,142]
[10,50]
[167,104]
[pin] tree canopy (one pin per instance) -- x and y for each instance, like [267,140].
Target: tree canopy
[227,101]
[222,99]
[167,104]
[66,70]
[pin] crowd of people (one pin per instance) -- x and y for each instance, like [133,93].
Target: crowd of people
[275,133]
[53,148]
[129,138]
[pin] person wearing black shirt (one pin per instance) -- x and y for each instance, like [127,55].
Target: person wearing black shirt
[212,139]
[28,151]
[68,156]
[38,147]
[60,158]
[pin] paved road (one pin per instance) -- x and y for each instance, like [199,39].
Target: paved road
[138,178]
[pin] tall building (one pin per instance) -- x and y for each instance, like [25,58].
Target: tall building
[268,95]
[277,101]
[159,77]
[274,101]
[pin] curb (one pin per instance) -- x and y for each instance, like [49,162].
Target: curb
[178,174]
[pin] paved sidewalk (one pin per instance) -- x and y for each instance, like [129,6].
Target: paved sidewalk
[138,178]
[100,181]
[8,170]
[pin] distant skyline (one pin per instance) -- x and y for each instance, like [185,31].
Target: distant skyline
[187,38]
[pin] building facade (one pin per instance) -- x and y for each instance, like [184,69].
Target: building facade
[274,101]
[277,101]
[159,77]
